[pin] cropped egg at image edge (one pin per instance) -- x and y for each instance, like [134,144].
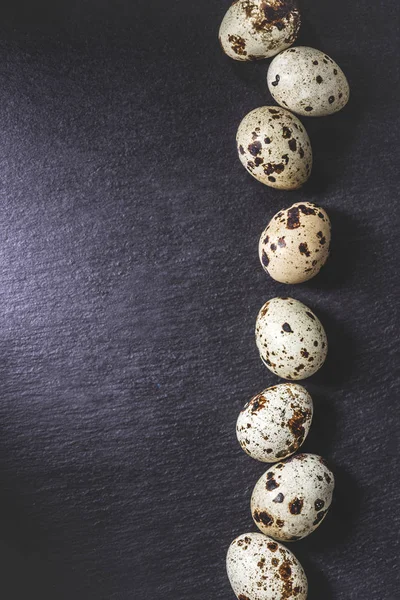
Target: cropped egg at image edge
[199,282]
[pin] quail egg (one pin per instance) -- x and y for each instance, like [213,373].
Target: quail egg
[256,29]
[290,338]
[274,148]
[259,568]
[293,497]
[295,245]
[275,423]
[308,82]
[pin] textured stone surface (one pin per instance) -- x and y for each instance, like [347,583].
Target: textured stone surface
[129,288]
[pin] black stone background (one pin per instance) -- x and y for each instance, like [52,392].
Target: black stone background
[129,288]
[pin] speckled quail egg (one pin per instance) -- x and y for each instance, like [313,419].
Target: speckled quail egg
[260,568]
[295,245]
[308,82]
[275,423]
[256,29]
[293,497]
[274,147]
[290,338]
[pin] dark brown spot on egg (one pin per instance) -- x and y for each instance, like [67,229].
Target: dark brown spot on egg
[281,242]
[308,108]
[264,259]
[287,133]
[309,314]
[286,327]
[296,425]
[295,506]
[293,220]
[277,80]
[273,546]
[319,517]
[319,79]
[319,505]
[285,571]
[280,523]
[331,99]
[293,145]
[303,247]
[267,140]
[261,563]
[307,210]
[271,485]
[257,403]
[238,44]
[279,499]
[255,148]
[263,517]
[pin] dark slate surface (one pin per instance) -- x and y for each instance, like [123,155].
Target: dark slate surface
[129,288]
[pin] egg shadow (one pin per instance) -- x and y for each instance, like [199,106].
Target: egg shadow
[320,439]
[308,35]
[318,585]
[338,367]
[254,76]
[338,526]
[345,253]
[332,136]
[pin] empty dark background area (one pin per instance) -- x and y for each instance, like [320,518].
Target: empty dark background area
[129,289]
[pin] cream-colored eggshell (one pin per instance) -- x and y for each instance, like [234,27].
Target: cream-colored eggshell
[275,423]
[308,82]
[259,568]
[293,497]
[290,338]
[256,29]
[295,245]
[274,148]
